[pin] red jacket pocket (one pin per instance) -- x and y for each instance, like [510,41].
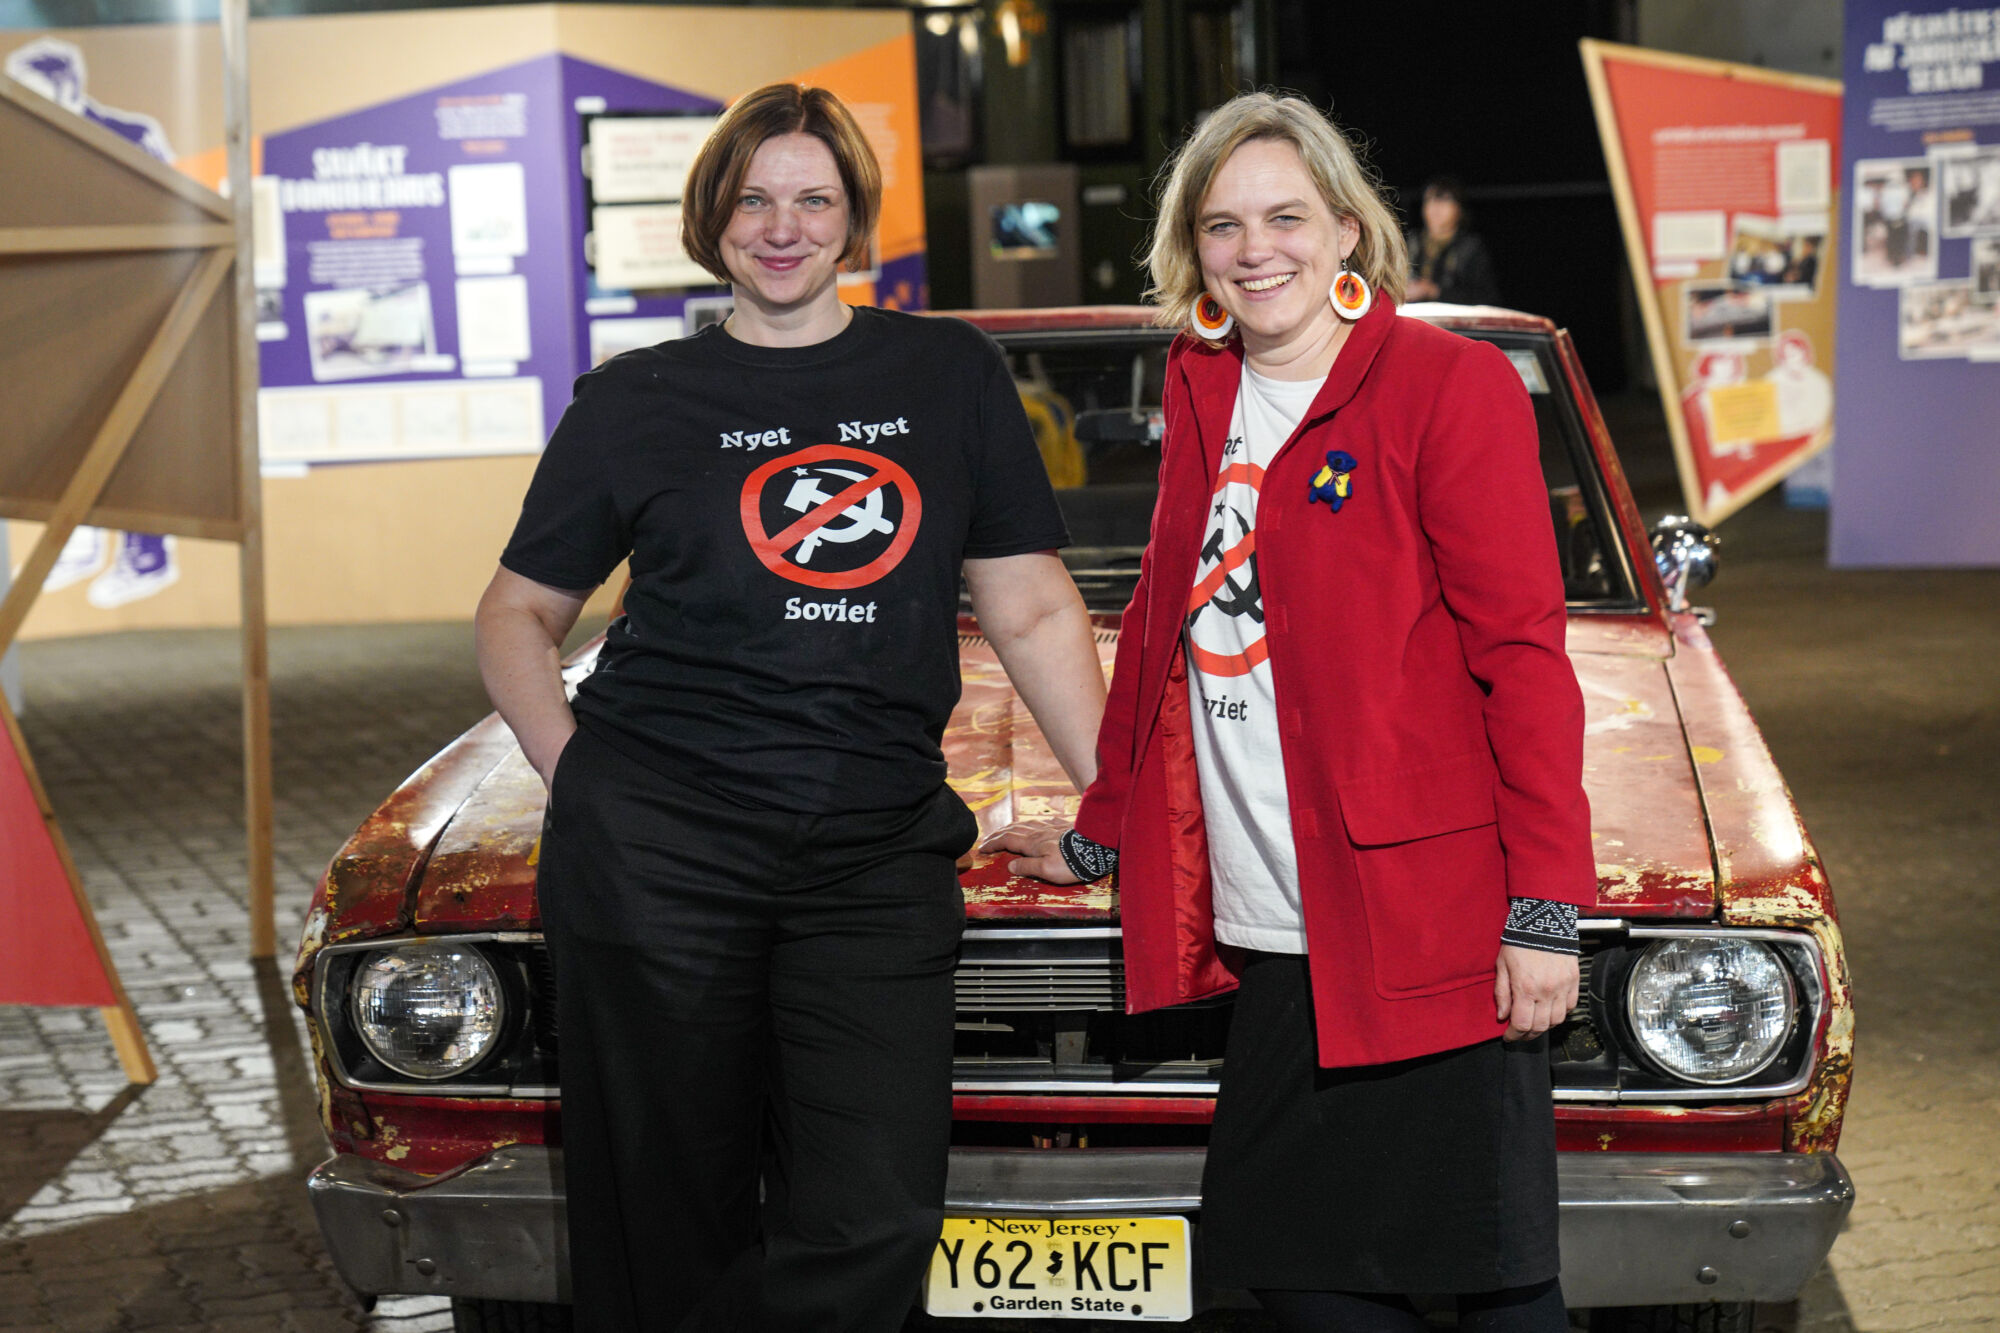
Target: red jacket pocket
[1419,802]
[1433,879]
[1435,907]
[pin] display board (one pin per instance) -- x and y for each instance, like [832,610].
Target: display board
[458,212]
[410,266]
[1724,177]
[120,244]
[1916,479]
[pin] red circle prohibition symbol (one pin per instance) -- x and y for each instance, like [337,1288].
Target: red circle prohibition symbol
[1229,664]
[771,547]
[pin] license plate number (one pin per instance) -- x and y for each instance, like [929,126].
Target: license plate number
[1106,1268]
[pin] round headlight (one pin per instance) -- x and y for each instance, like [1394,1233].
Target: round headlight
[428,1010]
[1710,1010]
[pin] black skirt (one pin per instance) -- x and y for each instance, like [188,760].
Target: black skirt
[1435,1175]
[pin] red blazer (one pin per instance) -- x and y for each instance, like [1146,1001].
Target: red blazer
[1430,722]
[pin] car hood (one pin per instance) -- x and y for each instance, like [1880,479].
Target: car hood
[1648,828]
[1651,838]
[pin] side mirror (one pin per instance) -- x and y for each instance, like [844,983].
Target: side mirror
[1684,551]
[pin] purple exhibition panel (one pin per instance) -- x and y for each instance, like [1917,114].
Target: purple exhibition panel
[421,305]
[1916,471]
[435,271]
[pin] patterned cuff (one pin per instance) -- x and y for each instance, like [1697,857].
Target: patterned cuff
[1536,923]
[1087,860]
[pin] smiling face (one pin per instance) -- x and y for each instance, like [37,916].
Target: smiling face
[788,228]
[1269,245]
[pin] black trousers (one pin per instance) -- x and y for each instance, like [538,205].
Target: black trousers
[748,995]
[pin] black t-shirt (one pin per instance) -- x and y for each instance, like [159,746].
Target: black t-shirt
[795,518]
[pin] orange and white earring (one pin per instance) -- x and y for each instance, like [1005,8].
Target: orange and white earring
[1351,295]
[1210,320]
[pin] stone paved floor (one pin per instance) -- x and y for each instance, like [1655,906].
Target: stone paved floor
[1879,693]
[179,1207]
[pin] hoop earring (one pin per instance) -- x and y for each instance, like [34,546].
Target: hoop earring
[1351,294]
[1210,321]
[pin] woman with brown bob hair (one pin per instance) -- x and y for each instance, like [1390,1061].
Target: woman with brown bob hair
[747,875]
[1340,771]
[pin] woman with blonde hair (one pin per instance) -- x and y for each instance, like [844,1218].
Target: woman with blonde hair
[1340,769]
[747,873]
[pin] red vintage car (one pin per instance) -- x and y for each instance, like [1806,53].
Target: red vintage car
[1699,1084]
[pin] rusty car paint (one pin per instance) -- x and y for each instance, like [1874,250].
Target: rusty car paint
[435,1135]
[365,891]
[1004,771]
[1646,827]
[1768,873]
[1652,849]
[480,875]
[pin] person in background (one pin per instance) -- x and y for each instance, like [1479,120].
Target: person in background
[1447,261]
[1341,766]
[747,876]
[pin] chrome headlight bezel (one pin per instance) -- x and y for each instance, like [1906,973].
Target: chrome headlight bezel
[519,1063]
[1789,978]
[480,1004]
[1619,1073]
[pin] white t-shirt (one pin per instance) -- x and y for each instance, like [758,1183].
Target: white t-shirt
[1250,853]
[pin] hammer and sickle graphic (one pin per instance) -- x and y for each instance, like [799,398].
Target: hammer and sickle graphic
[1232,598]
[860,519]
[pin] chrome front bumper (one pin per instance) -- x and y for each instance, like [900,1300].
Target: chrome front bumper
[496,1230]
[1637,1228]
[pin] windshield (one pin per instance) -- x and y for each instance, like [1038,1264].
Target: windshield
[1093,400]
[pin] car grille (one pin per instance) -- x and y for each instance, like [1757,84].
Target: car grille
[1041,969]
[1000,985]
[1042,1008]
[1048,1002]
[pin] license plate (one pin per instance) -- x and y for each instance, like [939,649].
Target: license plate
[1129,1268]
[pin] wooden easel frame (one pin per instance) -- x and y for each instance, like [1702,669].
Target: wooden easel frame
[220,240]
[1640,261]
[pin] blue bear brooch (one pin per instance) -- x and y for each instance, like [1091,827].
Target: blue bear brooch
[1332,483]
